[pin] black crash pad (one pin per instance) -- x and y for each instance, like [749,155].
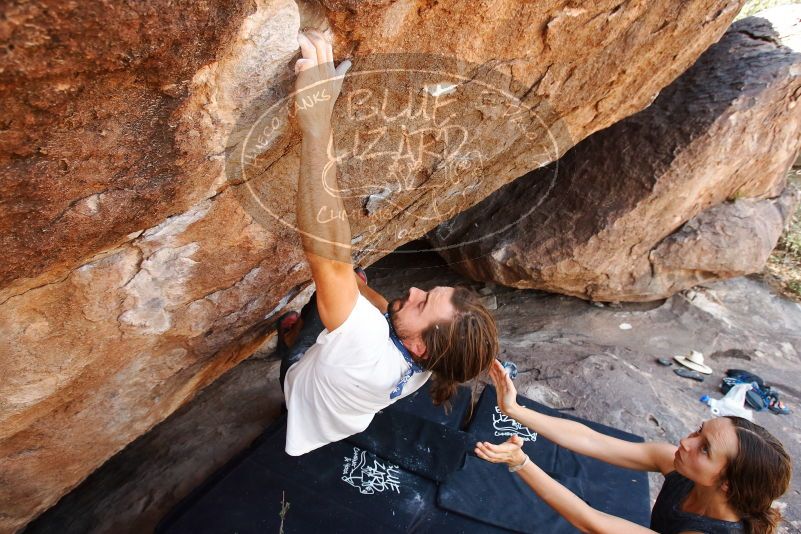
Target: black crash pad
[419,404]
[343,487]
[489,492]
[365,492]
[337,488]
[417,445]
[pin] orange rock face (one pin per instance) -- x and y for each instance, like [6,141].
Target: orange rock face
[607,221]
[146,223]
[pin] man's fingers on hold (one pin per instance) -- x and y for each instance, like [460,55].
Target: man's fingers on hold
[320,46]
[317,34]
[307,48]
[324,37]
[343,67]
[303,64]
[340,72]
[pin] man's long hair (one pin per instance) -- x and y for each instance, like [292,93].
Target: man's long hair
[461,349]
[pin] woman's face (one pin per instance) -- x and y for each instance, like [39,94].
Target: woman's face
[703,455]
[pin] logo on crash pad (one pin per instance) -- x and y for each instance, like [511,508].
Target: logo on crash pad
[506,426]
[366,473]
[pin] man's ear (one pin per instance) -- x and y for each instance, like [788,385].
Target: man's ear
[417,347]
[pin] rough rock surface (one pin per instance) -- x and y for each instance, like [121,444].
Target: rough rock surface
[724,241]
[134,271]
[600,222]
[570,354]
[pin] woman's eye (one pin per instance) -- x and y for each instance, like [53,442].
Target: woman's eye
[705,450]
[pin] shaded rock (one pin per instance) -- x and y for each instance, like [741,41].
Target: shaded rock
[138,266]
[603,228]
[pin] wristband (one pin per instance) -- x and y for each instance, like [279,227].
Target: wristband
[520,466]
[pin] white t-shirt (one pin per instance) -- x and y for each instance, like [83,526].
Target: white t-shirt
[343,380]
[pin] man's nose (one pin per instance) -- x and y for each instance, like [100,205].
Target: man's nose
[685,444]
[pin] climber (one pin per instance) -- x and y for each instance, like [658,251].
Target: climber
[352,353]
[721,479]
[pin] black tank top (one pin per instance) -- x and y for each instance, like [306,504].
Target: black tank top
[668,518]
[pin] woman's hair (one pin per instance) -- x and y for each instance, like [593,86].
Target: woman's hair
[757,475]
[461,349]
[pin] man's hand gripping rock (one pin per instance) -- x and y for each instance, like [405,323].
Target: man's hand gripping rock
[318,83]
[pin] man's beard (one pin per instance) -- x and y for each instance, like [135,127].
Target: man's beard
[393,309]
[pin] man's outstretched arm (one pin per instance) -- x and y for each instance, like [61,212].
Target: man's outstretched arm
[321,216]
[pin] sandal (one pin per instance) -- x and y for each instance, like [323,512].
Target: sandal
[687,373]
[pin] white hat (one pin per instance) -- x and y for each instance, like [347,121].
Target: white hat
[694,361]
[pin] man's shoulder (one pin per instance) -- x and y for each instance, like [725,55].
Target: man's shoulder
[370,309]
[363,338]
[364,322]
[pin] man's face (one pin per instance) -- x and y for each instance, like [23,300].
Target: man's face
[416,310]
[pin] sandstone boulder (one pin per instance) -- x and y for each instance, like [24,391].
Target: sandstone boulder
[609,221]
[146,224]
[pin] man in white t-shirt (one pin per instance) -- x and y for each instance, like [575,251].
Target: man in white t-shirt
[366,353]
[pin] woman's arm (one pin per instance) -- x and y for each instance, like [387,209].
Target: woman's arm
[580,438]
[566,503]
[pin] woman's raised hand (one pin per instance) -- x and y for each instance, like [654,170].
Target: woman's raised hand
[507,394]
[509,452]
